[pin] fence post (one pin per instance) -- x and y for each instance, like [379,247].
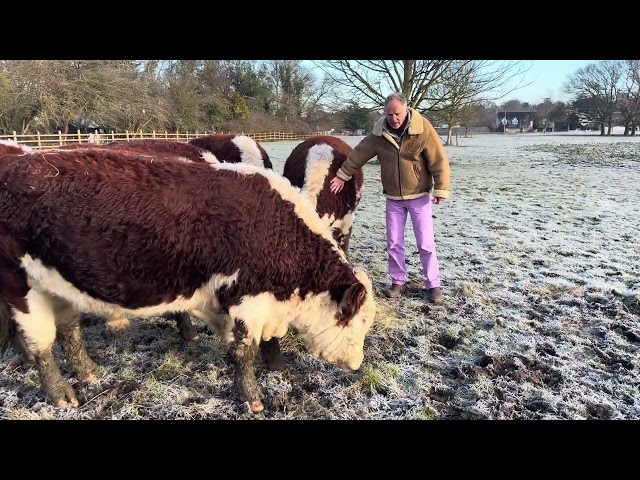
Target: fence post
[59,137]
[38,137]
[15,137]
[113,136]
[153,134]
[140,133]
[126,133]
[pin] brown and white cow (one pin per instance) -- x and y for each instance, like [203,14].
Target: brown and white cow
[311,166]
[237,245]
[234,148]
[14,148]
[155,150]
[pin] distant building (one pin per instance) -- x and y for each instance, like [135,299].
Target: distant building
[512,122]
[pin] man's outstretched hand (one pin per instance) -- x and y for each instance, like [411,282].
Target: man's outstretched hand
[336,184]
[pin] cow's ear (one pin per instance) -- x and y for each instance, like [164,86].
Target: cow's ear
[352,299]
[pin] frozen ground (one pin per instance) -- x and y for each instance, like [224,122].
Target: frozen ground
[540,263]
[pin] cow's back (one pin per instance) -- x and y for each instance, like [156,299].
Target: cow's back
[132,224]
[169,148]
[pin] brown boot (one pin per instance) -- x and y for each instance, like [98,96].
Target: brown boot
[394,291]
[435,295]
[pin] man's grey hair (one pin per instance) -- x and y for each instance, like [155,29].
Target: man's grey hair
[399,96]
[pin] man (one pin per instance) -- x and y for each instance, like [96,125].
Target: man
[412,163]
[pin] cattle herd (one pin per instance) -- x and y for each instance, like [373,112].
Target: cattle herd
[205,229]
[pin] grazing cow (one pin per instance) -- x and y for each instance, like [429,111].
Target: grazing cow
[237,245]
[233,148]
[311,166]
[10,147]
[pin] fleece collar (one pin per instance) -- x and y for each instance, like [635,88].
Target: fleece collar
[415,124]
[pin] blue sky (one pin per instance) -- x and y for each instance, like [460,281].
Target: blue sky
[547,78]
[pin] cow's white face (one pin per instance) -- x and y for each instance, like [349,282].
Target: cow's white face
[342,345]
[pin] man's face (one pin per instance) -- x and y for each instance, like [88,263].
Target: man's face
[395,113]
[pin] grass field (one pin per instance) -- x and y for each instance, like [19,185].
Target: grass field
[540,262]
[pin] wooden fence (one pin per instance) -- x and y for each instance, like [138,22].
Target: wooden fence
[52,140]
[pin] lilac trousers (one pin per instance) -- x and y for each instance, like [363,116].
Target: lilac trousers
[420,211]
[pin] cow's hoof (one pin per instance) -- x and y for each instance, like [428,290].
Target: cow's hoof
[118,328]
[185,327]
[275,364]
[90,378]
[190,336]
[62,394]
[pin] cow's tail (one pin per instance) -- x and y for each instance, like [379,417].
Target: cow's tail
[7,326]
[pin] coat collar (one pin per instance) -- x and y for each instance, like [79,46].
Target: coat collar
[415,124]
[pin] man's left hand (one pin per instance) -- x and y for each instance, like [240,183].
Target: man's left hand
[438,200]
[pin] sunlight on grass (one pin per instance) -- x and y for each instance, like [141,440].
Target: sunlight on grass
[386,318]
[170,367]
[379,378]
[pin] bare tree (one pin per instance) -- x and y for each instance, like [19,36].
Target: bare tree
[442,87]
[595,89]
[543,111]
[368,82]
[18,100]
[55,93]
[629,97]
[57,85]
[471,115]
[290,83]
[468,82]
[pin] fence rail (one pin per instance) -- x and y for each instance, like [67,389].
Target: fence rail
[52,140]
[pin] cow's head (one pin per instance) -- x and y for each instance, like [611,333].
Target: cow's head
[335,331]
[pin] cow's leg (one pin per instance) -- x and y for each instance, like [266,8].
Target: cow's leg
[271,355]
[117,326]
[38,328]
[185,327]
[20,347]
[70,338]
[244,351]
[9,334]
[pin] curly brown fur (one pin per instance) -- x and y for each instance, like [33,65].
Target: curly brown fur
[65,201]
